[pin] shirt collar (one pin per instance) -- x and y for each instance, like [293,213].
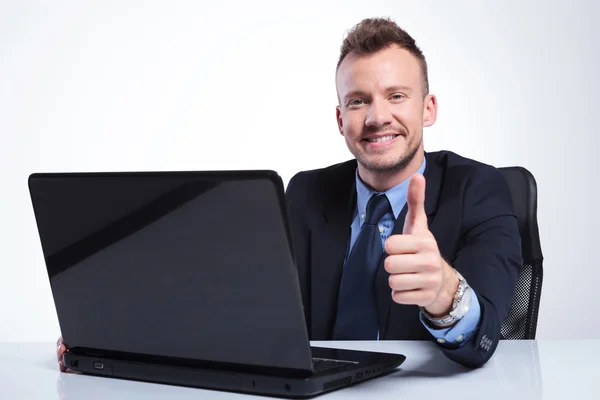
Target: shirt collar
[395,195]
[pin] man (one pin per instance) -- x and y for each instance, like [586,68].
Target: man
[380,253]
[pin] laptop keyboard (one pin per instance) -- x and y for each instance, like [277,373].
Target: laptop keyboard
[323,364]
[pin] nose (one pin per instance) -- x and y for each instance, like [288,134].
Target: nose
[379,114]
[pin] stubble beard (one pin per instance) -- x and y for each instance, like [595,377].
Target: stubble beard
[386,166]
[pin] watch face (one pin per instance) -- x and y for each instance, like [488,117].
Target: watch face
[464,304]
[460,306]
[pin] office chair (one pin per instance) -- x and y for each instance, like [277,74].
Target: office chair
[521,322]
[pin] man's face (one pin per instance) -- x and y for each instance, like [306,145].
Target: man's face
[382,111]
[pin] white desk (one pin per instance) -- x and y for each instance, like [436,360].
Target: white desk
[518,370]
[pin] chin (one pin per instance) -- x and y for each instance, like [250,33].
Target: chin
[387,163]
[383,165]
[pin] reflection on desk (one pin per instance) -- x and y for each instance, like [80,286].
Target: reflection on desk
[518,369]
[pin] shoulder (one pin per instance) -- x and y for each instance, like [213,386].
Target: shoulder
[456,168]
[456,163]
[320,179]
[482,189]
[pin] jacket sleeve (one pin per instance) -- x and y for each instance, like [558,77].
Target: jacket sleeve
[489,258]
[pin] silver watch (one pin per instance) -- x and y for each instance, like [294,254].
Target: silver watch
[460,305]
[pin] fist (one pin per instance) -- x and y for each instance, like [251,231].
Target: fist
[418,273]
[415,268]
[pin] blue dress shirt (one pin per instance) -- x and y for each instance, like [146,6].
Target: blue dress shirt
[463,329]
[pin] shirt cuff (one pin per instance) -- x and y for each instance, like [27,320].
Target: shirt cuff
[463,330]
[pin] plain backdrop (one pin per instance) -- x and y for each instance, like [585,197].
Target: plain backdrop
[173,85]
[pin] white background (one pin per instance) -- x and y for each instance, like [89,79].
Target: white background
[171,85]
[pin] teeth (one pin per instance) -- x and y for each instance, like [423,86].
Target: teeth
[381,139]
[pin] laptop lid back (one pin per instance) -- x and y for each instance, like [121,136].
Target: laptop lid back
[190,265]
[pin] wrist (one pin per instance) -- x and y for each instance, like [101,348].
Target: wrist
[459,306]
[442,305]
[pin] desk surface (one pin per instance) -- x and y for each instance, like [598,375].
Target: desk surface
[518,369]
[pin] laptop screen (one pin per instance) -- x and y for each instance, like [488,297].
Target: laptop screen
[183,265]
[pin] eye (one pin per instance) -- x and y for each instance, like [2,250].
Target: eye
[397,96]
[355,102]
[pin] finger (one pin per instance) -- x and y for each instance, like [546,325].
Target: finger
[419,297]
[407,282]
[59,341]
[402,263]
[408,244]
[410,263]
[416,218]
[61,350]
[62,367]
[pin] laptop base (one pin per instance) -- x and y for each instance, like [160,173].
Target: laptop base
[362,366]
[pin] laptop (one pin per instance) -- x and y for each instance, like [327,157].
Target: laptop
[185,278]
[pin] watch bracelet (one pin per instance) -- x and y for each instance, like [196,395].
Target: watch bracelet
[448,319]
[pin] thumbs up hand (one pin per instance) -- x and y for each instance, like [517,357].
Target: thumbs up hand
[418,273]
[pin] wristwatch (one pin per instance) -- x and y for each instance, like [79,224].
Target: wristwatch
[460,305]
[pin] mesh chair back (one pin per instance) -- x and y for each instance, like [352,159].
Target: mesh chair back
[521,322]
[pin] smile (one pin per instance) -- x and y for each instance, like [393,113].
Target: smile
[381,139]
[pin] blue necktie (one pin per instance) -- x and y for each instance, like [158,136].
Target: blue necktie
[357,311]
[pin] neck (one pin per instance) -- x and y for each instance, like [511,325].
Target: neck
[382,181]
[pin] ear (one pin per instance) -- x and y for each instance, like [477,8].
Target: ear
[338,117]
[430,110]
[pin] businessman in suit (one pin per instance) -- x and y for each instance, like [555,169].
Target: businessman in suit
[398,243]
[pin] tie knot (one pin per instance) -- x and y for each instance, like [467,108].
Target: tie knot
[377,207]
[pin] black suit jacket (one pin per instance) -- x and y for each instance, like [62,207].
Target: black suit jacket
[469,209]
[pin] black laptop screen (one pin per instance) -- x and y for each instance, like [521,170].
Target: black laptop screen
[187,266]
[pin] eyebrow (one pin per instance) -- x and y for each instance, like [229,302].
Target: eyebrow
[398,88]
[389,89]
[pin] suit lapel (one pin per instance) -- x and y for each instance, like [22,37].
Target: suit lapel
[383,292]
[329,245]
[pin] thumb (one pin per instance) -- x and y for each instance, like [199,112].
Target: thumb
[416,218]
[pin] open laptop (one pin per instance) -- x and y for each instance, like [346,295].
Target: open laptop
[184,278]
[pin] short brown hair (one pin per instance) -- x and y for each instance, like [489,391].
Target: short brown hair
[374,34]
